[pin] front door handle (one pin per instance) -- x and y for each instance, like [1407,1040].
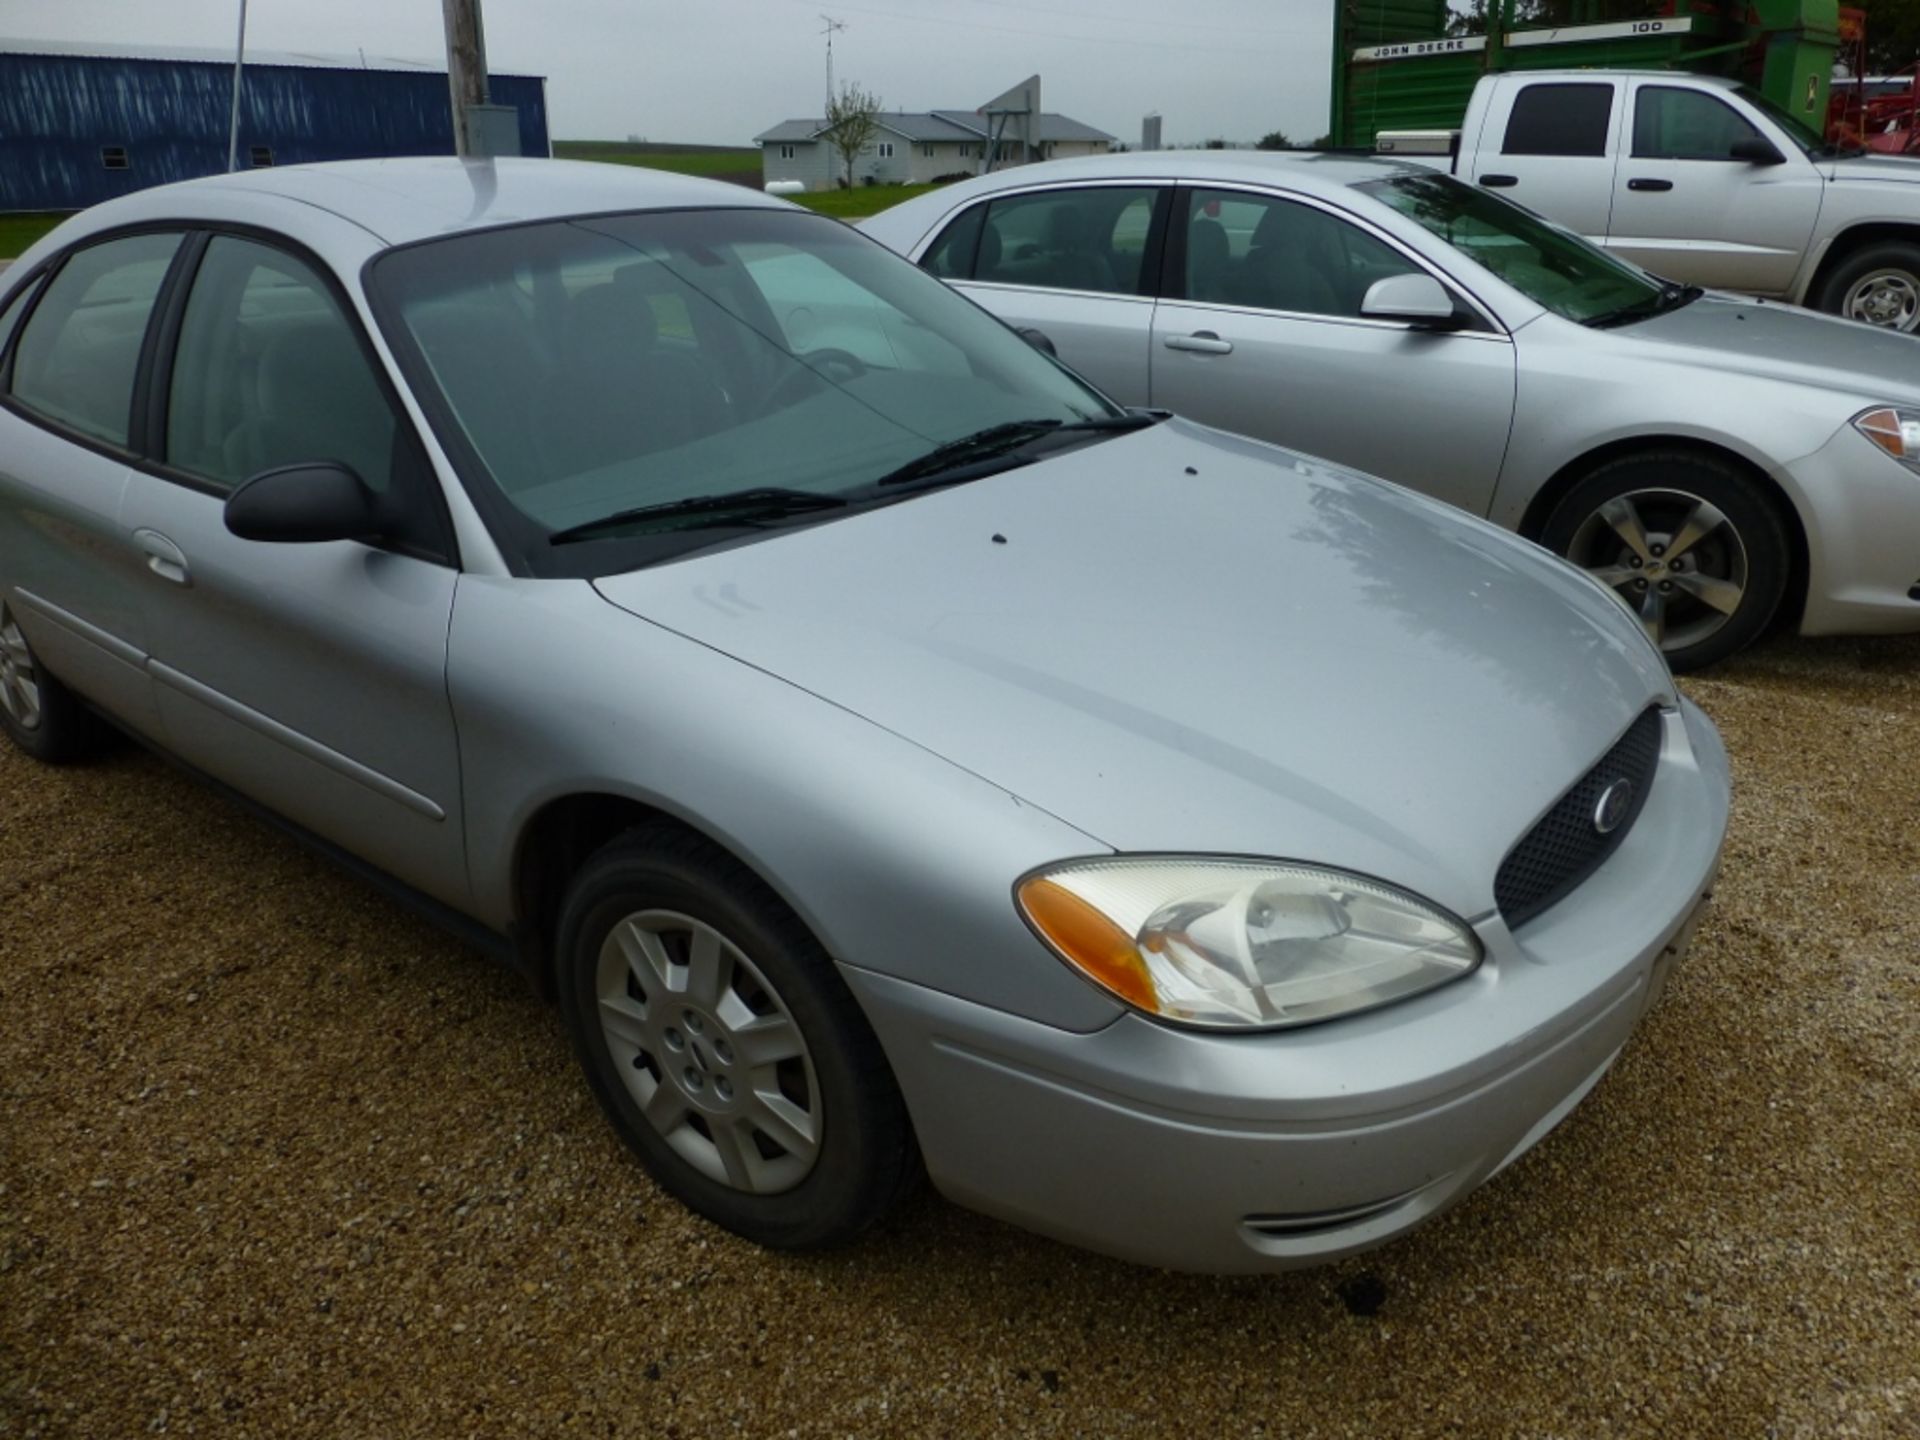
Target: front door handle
[1499,182]
[164,558]
[1642,183]
[1203,342]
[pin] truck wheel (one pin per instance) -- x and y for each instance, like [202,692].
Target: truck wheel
[39,714]
[723,1047]
[1880,285]
[1692,546]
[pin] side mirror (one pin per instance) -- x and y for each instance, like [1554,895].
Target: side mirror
[1413,299]
[1756,150]
[300,503]
[1039,340]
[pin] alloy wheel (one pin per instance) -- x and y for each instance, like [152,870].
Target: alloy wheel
[709,1052]
[19,680]
[1678,562]
[1887,298]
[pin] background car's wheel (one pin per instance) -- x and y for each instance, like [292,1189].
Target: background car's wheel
[724,1048]
[1687,540]
[39,714]
[1880,285]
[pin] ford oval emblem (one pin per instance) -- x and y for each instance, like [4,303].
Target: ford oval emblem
[1615,801]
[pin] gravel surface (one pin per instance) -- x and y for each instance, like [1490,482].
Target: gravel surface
[276,1158]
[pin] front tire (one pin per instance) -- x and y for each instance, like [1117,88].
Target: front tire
[40,715]
[723,1047]
[1688,541]
[1879,284]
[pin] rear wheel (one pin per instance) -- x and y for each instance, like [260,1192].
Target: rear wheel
[723,1047]
[1692,546]
[39,714]
[1879,284]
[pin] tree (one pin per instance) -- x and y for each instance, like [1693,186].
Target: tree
[1216,145]
[1274,140]
[1893,35]
[853,118]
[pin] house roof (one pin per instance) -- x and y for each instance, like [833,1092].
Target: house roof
[933,126]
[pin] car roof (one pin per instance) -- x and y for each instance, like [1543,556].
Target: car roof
[1297,169]
[417,197]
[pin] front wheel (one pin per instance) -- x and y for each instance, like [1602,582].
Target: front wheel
[1879,284]
[1692,546]
[723,1047]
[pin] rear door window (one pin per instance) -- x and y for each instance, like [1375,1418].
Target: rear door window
[951,256]
[77,356]
[1559,120]
[1085,239]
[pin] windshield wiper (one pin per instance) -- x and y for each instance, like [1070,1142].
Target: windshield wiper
[743,507]
[1671,297]
[968,457]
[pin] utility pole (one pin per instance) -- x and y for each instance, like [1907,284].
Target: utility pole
[466,67]
[233,114]
[832,25]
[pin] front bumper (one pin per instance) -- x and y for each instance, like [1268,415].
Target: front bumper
[1198,1151]
[1861,510]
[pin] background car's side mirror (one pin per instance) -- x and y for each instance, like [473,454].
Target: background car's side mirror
[1756,150]
[1039,340]
[299,503]
[1413,299]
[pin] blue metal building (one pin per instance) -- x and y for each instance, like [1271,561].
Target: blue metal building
[81,124]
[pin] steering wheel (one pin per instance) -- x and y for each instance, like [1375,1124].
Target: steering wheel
[816,364]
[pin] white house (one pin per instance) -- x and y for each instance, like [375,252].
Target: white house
[911,148]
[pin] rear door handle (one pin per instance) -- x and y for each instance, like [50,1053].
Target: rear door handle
[164,558]
[1642,183]
[1203,342]
[1499,182]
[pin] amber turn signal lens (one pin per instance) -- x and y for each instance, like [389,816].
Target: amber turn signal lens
[1884,429]
[1090,941]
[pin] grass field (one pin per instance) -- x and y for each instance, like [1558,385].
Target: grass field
[682,160]
[17,232]
[862,200]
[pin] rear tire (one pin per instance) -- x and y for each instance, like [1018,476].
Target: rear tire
[724,1048]
[1878,284]
[1688,541]
[41,716]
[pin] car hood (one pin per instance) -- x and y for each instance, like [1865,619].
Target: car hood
[1765,338]
[1178,640]
[1895,169]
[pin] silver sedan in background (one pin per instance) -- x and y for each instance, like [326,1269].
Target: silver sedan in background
[1718,461]
[890,754]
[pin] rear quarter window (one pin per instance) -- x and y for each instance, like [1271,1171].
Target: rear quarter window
[1559,120]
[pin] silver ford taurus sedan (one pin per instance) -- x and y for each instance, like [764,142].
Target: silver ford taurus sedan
[892,756]
[1722,462]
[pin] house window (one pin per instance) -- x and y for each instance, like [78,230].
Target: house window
[113,157]
[884,149]
[260,156]
[927,150]
[786,152]
[966,152]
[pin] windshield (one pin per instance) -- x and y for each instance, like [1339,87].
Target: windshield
[1551,266]
[1802,134]
[594,367]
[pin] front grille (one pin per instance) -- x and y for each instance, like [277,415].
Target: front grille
[1566,846]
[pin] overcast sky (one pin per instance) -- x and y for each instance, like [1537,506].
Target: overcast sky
[719,71]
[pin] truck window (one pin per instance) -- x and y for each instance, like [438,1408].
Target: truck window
[1559,120]
[1675,124]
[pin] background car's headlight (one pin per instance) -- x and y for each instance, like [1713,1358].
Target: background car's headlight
[1895,431]
[1243,943]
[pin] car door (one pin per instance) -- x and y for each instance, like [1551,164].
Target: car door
[1260,332]
[72,573]
[1686,209]
[1073,262]
[1552,145]
[310,677]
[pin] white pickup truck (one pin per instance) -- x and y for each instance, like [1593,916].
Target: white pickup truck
[1698,179]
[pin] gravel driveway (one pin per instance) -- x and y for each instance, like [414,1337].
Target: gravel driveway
[276,1158]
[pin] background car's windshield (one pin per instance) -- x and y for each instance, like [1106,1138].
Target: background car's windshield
[601,364]
[1543,262]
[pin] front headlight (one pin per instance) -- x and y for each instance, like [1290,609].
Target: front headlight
[1242,944]
[1895,431]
